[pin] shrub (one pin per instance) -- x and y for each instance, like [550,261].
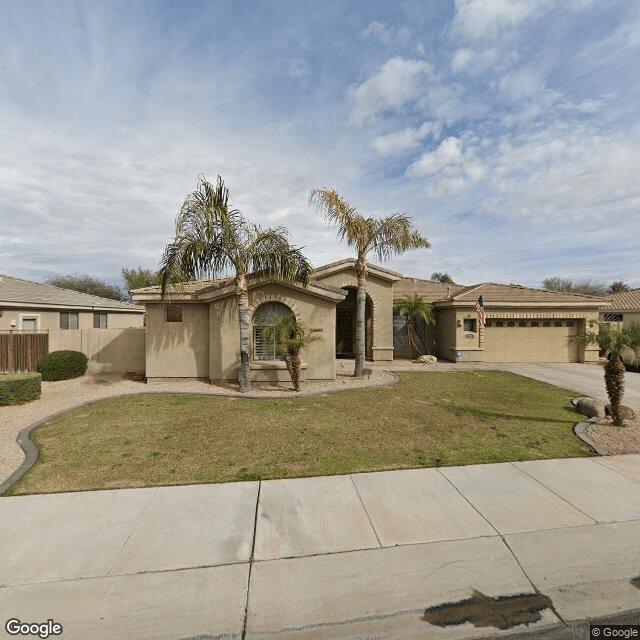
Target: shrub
[18,388]
[632,365]
[62,365]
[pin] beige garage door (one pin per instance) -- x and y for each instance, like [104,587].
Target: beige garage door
[508,340]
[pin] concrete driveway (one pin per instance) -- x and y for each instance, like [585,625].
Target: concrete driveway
[587,379]
[458,552]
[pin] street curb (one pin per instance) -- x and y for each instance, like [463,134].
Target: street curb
[581,431]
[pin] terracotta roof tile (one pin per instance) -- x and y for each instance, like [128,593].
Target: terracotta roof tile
[492,293]
[427,290]
[627,301]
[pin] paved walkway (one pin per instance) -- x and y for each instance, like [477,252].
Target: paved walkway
[370,555]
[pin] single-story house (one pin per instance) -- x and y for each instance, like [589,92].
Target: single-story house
[100,327]
[194,331]
[624,308]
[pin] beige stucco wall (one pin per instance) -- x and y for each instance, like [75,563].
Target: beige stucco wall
[207,342]
[312,311]
[178,349]
[50,320]
[515,344]
[445,333]
[381,293]
[108,350]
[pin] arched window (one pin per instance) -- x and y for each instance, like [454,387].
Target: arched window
[267,315]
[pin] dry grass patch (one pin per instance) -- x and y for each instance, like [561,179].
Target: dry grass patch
[428,419]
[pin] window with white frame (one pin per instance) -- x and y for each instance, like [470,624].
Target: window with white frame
[267,315]
[69,320]
[100,320]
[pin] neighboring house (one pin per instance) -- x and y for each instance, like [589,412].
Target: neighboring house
[194,331]
[624,308]
[73,320]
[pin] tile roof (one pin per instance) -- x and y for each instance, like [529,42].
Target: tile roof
[198,288]
[511,293]
[626,301]
[427,290]
[24,292]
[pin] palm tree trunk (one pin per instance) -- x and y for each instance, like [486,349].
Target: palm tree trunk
[411,332]
[614,381]
[360,327]
[295,371]
[244,376]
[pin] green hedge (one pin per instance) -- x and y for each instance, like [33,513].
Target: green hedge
[62,365]
[18,388]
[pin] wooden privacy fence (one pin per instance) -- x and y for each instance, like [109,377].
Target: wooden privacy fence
[20,350]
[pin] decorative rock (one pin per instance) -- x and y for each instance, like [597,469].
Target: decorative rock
[427,359]
[589,407]
[627,412]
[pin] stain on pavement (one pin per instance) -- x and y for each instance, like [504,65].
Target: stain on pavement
[501,612]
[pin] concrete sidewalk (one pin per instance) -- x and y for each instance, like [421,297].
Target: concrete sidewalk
[458,552]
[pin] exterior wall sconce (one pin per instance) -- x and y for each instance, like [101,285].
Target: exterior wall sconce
[459,323]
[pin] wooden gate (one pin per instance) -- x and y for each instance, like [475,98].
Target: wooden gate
[20,350]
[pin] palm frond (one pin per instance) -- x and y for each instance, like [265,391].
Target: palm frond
[415,307]
[394,235]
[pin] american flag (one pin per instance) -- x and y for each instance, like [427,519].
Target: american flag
[480,310]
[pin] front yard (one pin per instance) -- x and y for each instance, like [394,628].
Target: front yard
[428,419]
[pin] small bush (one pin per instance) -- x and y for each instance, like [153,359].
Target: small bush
[18,388]
[62,365]
[632,365]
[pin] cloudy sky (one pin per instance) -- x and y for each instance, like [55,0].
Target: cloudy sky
[508,129]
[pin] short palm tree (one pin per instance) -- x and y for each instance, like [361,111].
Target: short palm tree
[212,239]
[384,237]
[414,307]
[613,342]
[289,338]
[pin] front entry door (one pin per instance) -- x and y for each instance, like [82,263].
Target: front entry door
[345,332]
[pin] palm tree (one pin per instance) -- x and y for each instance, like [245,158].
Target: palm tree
[384,237]
[289,338]
[613,342]
[414,307]
[213,238]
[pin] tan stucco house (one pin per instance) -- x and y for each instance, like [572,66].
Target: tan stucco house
[624,308]
[194,331]
[108,331]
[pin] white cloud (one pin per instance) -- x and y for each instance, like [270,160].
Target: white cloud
[397,83]
[523,83]
[476,19]
[401,141]
[449,168]
[571,177]
[381,32]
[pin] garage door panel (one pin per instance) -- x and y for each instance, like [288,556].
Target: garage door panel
[530,343]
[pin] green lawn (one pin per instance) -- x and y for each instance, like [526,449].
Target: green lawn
[428,419]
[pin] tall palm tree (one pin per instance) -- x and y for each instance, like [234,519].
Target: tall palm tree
[414,307]
[384,237]
[212,239]
[613,342]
